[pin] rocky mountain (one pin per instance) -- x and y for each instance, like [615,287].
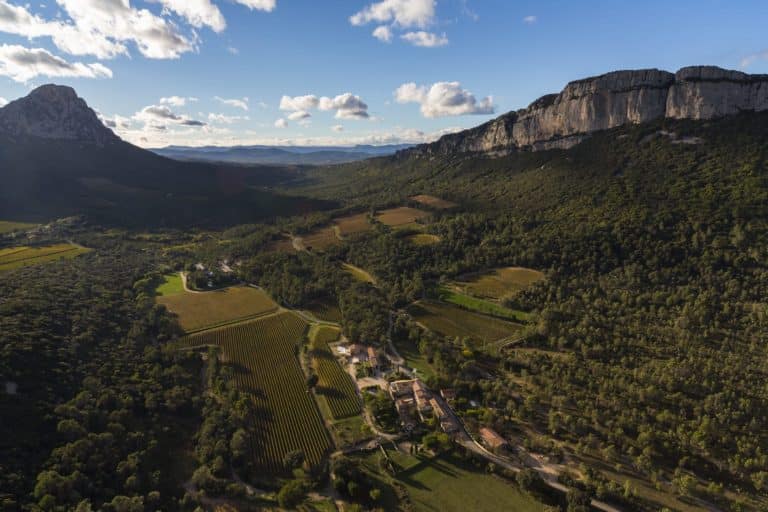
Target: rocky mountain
[54,112]
[608,101]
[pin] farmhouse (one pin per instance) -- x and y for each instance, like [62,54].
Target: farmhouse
[492,439]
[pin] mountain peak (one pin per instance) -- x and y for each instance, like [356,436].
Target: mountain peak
[54,112]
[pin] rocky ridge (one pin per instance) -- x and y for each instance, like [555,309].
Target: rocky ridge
[608,101]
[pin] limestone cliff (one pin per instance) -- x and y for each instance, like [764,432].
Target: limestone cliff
[607,101]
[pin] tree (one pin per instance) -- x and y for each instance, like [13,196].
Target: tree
[294,459]
[291,494]
[312,380]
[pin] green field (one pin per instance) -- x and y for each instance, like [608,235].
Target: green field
[450,320]
[481,305]
[448,484]
[335,385]
[203,310]
[172,285]
[324,334]
[264,355]
[414,359]
[9,226]
[499,283]
[18,257]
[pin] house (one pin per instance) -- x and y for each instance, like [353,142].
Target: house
[373,358]
[449,394]
[422,396]
[406,409]
[400,388]
[492,439]
[437,410]
[358,353]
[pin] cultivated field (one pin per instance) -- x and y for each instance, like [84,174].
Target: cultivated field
[353,224]
[335,385]
[499,283]
[400,217]
[450,484]
[202,310]
[283,245]
[264,355]
[433,202]
[172,285]
[9,226]
[451,295]
[325,309]
[17,257]
[423,239]
[320,239]
[450,320]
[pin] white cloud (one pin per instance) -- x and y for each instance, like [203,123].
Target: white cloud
[337,128]
[160,116]
[347,106]
[177,101]
[425,39]
[404,13]
[530,20]
[198,13]
[233,50]
[443,99]
[751,59]
[259,5]
[383,33]
[234,103]
[23,64]
[281,123]
[297,103]
[225,119]
[298,115]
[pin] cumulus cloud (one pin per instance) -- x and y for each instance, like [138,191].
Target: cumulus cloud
[234,102]
[443,99]
[177,101]
[198,13]
[259,5]
[347,106]
[160,116]
[225,119]
[23,64]
[425,39]
[299,115]
[297,103]
[530,20]
[404,13]
[281,123]
[751,59]
[383,33]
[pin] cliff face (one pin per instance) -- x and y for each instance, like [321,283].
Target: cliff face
[54,112]
[607,101]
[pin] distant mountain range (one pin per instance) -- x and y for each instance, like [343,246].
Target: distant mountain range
[280,155]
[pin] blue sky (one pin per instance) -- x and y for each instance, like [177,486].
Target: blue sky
[312,71]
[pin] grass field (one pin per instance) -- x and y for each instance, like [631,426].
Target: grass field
[358,273]
[320,239]
[201,310]
[353,224]
[18,257]
[448,484]
[481,305]
[263,353]
[499,283]
[172,285]
[414,358]
[400,217]
[433,202]
[325,309]
[335,385]
[422,239]
[450,320]
[9,226]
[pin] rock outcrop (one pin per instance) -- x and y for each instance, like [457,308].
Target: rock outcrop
[54,112]
[608,101]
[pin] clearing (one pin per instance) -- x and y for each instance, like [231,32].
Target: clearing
[499,283]
[486,307]
[204,310]
[433,202]
[401,217]
[17,257]
[325,309]
[320,239]
[450,320]
[264,356]
[353,224]
[172,284]
[358,273]
[423,239]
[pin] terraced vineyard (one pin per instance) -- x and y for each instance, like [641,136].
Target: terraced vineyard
[17,257]
[335,384]
[264,354]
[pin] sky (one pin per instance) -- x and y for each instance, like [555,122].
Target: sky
[344,72]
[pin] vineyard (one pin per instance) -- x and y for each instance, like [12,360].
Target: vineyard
[264,354]
[335,385]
